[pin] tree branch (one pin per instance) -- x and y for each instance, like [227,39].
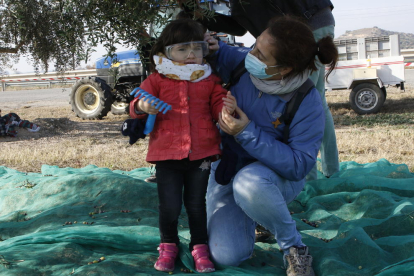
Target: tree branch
[11,50]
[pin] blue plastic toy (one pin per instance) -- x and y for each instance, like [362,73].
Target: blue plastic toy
[161,106]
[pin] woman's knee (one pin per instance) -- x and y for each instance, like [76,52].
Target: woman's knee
[230,255]
[256,184]
[248,182]
[231,235]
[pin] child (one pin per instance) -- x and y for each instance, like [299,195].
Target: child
[185,139]
[10,121]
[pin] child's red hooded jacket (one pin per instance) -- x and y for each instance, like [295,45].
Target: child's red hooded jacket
[189,129]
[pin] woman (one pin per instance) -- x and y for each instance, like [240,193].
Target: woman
[253,17]
[269,174]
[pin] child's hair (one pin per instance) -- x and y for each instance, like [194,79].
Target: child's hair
[177,31]
[183,15]
[296,46]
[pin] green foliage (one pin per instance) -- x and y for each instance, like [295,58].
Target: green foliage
[64,31]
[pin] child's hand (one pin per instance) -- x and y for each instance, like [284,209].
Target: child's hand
[147,107]
[230,103]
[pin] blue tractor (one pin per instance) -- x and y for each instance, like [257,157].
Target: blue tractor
[93,97]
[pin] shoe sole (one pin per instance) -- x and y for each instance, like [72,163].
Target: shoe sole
[206,270]
[163,269]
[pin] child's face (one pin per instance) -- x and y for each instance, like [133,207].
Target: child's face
[188,52]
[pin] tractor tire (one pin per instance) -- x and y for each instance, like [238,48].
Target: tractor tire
[366,98]
[119,108]
[91,98]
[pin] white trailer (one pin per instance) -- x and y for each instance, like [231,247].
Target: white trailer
[367,66]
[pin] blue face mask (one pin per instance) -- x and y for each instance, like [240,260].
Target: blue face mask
[257,68]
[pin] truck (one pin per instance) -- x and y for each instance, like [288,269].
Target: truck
[367,66]
[109,91]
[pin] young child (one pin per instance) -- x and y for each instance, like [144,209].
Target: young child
[185,139]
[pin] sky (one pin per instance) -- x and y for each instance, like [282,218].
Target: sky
[395,15]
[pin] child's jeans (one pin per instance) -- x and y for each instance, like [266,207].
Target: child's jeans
[172,177]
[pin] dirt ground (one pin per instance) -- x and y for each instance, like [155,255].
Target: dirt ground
[65,140]
[62,123]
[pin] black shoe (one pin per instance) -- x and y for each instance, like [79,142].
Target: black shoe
[151,179]
[263,235]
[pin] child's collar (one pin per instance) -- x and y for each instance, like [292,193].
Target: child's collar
[180,71]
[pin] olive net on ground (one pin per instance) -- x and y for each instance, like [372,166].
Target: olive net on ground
[62,221]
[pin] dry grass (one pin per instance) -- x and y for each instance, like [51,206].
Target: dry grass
[388,134]
[67,141]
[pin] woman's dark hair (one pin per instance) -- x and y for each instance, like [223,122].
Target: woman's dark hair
[177,31]
[296,47]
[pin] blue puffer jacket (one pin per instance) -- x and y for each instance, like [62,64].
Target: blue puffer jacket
[261,140]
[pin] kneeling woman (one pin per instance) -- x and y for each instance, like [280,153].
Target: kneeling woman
[266,173]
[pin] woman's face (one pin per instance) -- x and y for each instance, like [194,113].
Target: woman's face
[263,51]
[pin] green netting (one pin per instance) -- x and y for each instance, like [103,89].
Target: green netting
[358,222]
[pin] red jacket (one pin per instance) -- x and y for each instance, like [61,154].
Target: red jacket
[188,130]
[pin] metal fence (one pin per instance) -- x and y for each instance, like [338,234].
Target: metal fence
[47,79]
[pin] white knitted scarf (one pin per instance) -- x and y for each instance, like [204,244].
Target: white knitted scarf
[180,71]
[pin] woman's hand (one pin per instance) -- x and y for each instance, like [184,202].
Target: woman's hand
[146,106]
[212,43]
[230,103]
[231,125]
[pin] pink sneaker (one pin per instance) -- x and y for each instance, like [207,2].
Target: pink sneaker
[201,256]
[166,260]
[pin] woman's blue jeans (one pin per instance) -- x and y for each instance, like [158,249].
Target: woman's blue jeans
[255,195]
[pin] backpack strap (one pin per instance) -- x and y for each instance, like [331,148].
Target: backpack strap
[293,105]
[235,75]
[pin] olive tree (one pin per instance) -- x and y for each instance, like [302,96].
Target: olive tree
[65,31]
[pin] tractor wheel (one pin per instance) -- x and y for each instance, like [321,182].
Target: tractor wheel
[366,98]
[91,98]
